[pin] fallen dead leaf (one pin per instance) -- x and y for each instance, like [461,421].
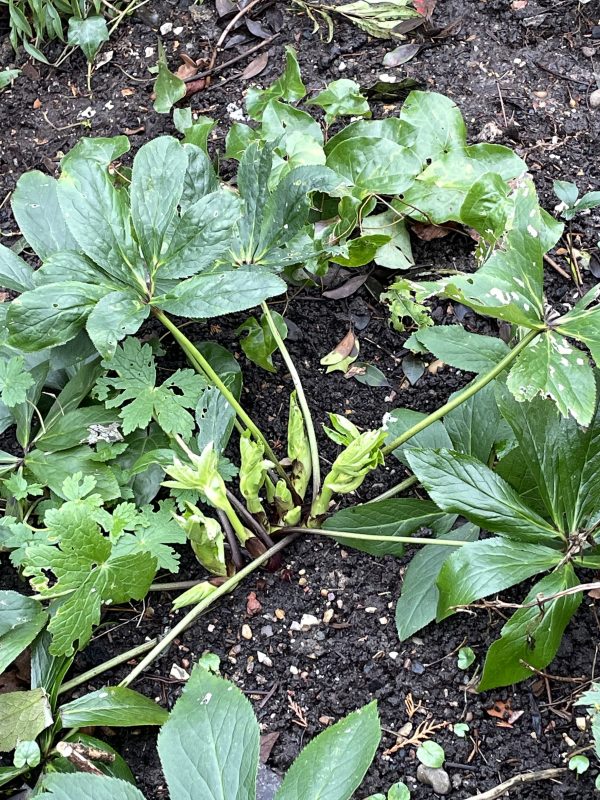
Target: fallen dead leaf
[134,131]
[427,232]
[37,103]
[267,741]
[256,66]
[127,92]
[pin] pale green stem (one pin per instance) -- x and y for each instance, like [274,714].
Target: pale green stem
[400,487]
[366,537]
[471,390]
[106,665]
[195,612]
[203,366]
[304,407]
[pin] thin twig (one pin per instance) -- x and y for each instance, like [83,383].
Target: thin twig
[232,541]
[539,601]
[233,22]
[557,267]
[517,780]
[232,61]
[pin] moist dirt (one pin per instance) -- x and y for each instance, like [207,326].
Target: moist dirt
[522,73]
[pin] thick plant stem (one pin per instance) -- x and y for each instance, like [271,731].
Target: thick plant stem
[471,390]
[366,537]
[202,365]
[198,609]
[397,489]
[302,402]
[106,665]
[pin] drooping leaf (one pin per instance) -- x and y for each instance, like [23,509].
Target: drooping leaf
[89,34]
[333,764]
[259,344]
[532,635]
[39,216]
[479,569]
[418,602]
[169,88]
[455,346]
[402,517]
[220,761]
[21,619]
[463,485]
[113,706]
[15,273]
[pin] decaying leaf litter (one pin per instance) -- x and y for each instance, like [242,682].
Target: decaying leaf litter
[347,400]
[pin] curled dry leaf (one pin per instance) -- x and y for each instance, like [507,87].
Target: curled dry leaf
[400,55]
[267,742]
[346,289]
[427,232]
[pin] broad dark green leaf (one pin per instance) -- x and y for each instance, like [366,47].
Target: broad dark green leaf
[89,34]
[375,166]
[418,602]
[53,468]
[288,87]
[115,316]
[39,215]
[258,343]
[394,517]
[211,295]
[159,169]
[97,215]
[21,619]
[582,322]
[532,635]
[438,121]
[280,120]
[71,266]
[479,569]
[398,421]
[200,178]
[552,367]
[169,88]
[74,392]
[393,128]
[50,315]
[113,706]
[15,273]
[74,427]
[473,425]
[455,346]
[253,184]
[78,786]
[195,132]
[219,761]
[562,457]
[486,207]
[201,236]
[342,98]
[463,485]
[103,149]
[333,764]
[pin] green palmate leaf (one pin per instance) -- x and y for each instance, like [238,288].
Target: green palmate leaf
[51,469]
[206,296]
[332,766]
[532,635]
[374,166]
[388,518]
[562,458]
[23,715]
[455,346]
[418,602]
[39,216]
[195,132]
[552,367]
[78,786]
[201,236]
[220,762]
[89,34]
[115,316]
[21,619]
[288,87]
[479,569]
[397,253]
[342,98]
[169,88]
[581,322]
[159,170]
[15,273]
[392,128]
[51,315]
[135,381]
[259,344]
[14,381]
[113,706]
[438,121]
[463,485]
[154,532]
[97,215]
[473,425]
[87,572]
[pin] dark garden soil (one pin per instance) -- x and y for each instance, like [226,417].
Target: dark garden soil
[522,77]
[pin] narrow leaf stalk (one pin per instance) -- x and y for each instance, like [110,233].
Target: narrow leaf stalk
[367,537]
[303,403]
[394,490]
[122,658]
[202,366]
[471,390]
[198,609]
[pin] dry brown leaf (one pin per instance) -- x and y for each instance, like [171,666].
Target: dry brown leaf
[256,66]
[435,366]
[267,741]
[346,346]
[427,232]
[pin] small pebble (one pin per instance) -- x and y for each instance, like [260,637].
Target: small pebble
[267,631]
[327,616]
[263,658]
[178,673]
[588,52]
[294,670]
[438,779]
[308,621]
[166,27]
[280,613]
[393,655]
[417,668]
[370,610]
[246,632]
[594,99]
